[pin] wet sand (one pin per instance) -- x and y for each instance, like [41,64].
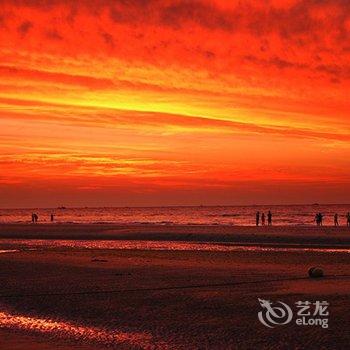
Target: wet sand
[197,233]
[66,297]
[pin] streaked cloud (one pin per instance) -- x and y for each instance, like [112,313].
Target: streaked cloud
[171,95]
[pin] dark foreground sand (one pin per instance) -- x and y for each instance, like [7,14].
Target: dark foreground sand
[66,298]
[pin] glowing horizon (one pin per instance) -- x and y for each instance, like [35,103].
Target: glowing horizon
[174,103]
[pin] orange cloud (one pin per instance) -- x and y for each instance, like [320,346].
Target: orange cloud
[174,95]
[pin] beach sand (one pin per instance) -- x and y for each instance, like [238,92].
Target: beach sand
[58,297]
[197,233]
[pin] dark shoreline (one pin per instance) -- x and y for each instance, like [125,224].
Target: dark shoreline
[278,235]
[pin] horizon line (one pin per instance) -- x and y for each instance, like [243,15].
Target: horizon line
[171,206]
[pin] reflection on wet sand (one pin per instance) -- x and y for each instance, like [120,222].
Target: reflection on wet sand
[55,291]
[68,330]
[165,245]
[3,251]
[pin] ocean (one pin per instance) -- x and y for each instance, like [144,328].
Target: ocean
[283,215]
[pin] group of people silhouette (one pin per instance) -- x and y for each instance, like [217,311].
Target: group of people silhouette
[35,218]
[262,217]
[319,219]
[336,222]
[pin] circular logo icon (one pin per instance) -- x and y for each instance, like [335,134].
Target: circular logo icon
[274,315]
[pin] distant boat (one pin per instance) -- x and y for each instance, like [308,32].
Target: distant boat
[61,208]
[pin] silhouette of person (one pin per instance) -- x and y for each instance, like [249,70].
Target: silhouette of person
[51,217]
[321,219]
[317,220]
[269,218]
[33,218]
[36,218]
[263,219]
[257,218]
[336,223]
[348,219]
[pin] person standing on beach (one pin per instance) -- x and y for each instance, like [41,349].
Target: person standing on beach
[51,217]
[33,218]
[257,218]
[269,218]
[336,223]
[348,219]
[318,219]
[263,219]
[321,219]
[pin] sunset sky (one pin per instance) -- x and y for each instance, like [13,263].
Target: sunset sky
[164,102]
